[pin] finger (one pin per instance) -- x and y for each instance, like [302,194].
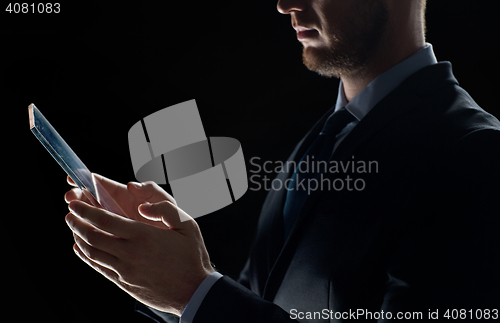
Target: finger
[106,272]
[101,219]
[110,186]
[91,198]
[149,191]
[165,211]
[98,256]
[75,194]
[70,181]
[95,237]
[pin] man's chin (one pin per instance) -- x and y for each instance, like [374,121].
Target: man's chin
[318,59]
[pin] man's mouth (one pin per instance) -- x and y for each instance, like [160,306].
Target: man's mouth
[304,33]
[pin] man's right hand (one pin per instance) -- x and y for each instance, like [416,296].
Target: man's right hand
[129,196]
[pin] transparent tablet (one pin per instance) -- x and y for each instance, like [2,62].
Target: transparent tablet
[70,162]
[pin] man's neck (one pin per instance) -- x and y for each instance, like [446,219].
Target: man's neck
[356,82]
[405,36]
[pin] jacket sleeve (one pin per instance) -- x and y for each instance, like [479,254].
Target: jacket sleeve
[228,301]
[156,316]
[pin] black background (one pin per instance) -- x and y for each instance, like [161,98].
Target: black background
[95,69]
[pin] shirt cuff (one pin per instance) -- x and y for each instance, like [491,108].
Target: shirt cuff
[198,297]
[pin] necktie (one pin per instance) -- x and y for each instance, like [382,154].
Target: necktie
[318,153]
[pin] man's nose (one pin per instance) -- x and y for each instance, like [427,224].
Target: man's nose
[287,6]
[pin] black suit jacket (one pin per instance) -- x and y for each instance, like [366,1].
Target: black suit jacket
[422,235]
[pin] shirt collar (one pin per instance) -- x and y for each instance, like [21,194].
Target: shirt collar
[385,83]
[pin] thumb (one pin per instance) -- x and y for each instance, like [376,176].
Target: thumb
[149,191]
[164,211]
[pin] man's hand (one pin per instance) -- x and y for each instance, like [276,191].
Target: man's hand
[155,257]
[129,196]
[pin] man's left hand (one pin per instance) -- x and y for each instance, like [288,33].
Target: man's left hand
[160,267]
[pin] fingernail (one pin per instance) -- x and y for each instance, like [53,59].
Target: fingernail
[145,206]
[136,185]
[70,208]
[66,218]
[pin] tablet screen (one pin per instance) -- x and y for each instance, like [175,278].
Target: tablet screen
[60,150]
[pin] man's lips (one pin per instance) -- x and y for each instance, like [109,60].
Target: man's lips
[307,34]
[304,33]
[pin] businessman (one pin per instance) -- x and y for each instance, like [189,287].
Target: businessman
[419,240]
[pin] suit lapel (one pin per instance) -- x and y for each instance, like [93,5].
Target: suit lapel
[402,100]
[366,128]
[271,225]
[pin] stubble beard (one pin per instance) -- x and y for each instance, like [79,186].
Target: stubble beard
[350,50]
